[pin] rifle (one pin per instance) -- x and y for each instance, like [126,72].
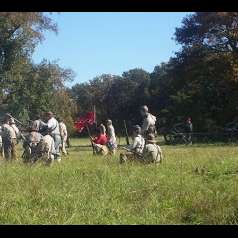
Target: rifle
[132,151]
[19,122]
[127,137]
[89,134]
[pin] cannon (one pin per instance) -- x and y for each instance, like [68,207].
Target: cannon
[177,134]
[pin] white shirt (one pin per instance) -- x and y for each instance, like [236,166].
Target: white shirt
[8,132]
[63,130]
[53,125]
[138,144]
[111,134]
[17,131]
[148,121]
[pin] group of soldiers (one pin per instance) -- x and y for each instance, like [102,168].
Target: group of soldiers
[45,137]
[48,136]
[144,147]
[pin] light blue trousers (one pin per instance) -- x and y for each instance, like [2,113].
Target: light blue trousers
[57,140]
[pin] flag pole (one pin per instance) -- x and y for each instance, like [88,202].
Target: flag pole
[94,112]
[89,134]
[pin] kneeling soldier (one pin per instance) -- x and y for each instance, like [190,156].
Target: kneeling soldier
[100,143]
[30,144]
[135,151]
[152,152]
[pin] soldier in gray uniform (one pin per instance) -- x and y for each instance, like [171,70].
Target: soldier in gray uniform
[149,120]
[38,124]
[54,131]
[30,144]
[8,140]
[135,150]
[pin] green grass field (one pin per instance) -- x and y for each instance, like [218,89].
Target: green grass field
[194,185]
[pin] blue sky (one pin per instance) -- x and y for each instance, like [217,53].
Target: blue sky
[95,43]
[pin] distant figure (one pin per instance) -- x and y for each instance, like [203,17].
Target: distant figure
[189,130]
[112,141]
[152,152]
[148,121]
[63,134]
[9,140]
[100,143]
[135,150]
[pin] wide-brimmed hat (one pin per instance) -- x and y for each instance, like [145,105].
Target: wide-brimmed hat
[150,138]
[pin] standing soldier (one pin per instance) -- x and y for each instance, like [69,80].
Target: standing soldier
[38,124]
[148,121]
[54,131]
[15,128]
[8,140]
[63,134]
[112,141]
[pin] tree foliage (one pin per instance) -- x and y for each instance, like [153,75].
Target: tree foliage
[200,81]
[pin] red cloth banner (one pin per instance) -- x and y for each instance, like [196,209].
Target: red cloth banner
[87,120]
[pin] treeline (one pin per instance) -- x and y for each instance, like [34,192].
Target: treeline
[27,89]
[200,81]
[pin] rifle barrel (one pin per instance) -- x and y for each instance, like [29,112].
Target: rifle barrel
[127,137]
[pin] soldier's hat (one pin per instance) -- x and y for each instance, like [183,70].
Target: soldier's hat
[150,138]
[137,129]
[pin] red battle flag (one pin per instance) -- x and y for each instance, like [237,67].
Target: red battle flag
[82,122]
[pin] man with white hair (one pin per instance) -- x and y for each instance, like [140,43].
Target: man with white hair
[149,121]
